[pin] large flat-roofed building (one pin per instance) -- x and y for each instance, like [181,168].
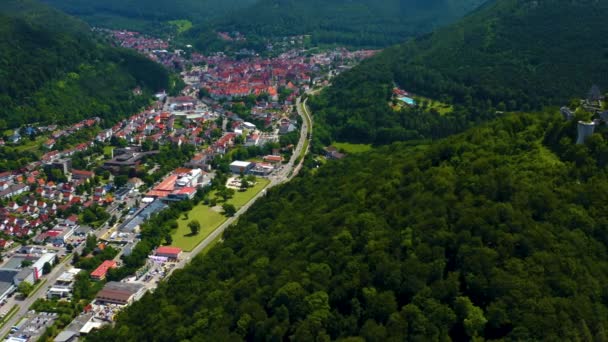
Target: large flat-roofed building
[7,285]
[38,266]
[120,293]
[239,167]
[168,252]
[101,271]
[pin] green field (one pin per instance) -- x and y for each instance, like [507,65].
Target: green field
[31,145]
[440,107]
[107,151]
[182,25]
[352,148]
[209,218]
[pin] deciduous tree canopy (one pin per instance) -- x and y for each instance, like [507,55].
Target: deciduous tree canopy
[495,233]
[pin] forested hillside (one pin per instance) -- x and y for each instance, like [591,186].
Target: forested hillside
[147,15]
[508,55]
[357,23]
[498,233]
[52,69]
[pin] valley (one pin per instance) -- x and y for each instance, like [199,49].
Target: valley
[246,170]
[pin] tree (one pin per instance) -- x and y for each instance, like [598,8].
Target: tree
[244,184]
[121,180]
[168,239]
[229,209]
[25,288]
[46,268]
[472,317]
[195,227]
[26,263]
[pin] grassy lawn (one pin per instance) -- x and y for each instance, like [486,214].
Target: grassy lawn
[209,218]
[241,198]
[29,145]
[309,124]
[182,25]
[440,107]
[352,148]
[107,151]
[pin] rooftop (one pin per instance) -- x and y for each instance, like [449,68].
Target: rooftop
[168,250]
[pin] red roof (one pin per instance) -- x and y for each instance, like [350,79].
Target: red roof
[185,191]
[102,270]
[168,250]
[53,233]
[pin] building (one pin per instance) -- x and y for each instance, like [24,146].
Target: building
[38,266]
[7,282]
[120,293]
[100,272]
[82,175]
[24,275]
[262,169]
[64,284]
[66,336]
[332,153]
[273,159]
[182,194]
[168,252]
[239,167]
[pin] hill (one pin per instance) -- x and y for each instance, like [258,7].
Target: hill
[507,55]
[53,69]
[147,15]
[497,233]
[357,22]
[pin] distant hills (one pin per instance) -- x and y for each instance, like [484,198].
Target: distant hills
[52,69]
[353,22]
[507,55]
[147,15]
[374,23]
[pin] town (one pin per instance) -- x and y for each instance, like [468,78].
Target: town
[74,211]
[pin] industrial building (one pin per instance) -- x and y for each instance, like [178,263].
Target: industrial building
[168,252]
[39,264]
[120,293]
[241,167]
[64,284]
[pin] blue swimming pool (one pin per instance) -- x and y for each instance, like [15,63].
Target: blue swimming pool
[410,101]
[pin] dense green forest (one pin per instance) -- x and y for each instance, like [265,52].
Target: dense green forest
[357,23]
[497,233]
[147,15]
[52,69]
[507,55]
[370,23]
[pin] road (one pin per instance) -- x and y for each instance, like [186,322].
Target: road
[24,305]
[51,278]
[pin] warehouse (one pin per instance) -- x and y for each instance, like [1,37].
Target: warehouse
[120,293]
[172,253]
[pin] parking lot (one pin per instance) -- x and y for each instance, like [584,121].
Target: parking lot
[33,325]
